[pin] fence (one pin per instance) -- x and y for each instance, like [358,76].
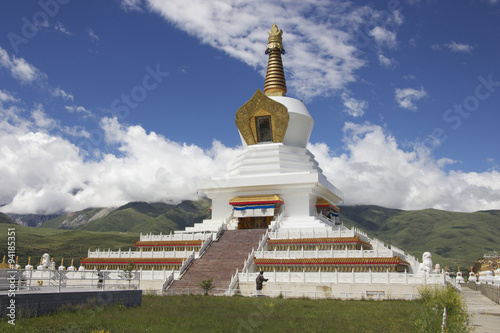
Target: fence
[37,280]
[299,293]
[347,278]
[177,236]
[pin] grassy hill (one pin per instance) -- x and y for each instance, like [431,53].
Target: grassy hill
[67,244]
[6,219]
[135,217]
[155,217]
[454,239]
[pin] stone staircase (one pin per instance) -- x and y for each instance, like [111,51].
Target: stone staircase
[219,261]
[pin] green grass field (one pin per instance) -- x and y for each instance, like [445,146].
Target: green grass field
[67,244]
[232,314]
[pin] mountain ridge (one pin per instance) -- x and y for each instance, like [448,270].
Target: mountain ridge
[454,238]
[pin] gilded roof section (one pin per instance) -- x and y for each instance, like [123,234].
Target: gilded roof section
[255,199]
[245,117]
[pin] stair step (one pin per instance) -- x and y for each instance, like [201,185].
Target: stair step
[220,260]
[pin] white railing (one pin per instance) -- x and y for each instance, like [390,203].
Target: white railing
[339,231]
[177,236]
[233,284]
[168,281]
[138,254]
[326,220]
[275,225]
[205,245]
[346,278]
[187,262]
[222,227]
[301,254]
[44,279]
[249,262]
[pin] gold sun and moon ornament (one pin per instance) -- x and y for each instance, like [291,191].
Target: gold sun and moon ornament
[262,119]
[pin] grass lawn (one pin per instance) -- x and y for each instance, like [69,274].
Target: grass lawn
[231,314]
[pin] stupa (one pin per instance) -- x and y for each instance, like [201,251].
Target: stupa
[274,211]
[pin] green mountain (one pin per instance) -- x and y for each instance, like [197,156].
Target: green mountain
[68,244]
[454,239]
[6,219]
[135,217]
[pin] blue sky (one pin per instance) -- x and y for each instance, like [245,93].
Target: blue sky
[105,102]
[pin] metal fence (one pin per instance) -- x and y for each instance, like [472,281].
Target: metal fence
[39,280]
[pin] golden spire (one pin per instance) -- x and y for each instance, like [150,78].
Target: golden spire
[275,84]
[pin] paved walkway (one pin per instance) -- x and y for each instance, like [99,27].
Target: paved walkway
[484,312]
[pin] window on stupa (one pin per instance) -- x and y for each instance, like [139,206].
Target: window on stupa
[264,129]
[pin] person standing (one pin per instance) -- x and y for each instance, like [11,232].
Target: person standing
[259,281]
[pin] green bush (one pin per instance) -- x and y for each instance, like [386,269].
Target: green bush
[206,286]
[436,298]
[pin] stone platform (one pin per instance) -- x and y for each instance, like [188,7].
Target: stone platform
[48,300]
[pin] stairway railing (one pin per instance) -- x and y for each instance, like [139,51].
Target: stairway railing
[205,245]
[168,281]
[233,285]
[187,262]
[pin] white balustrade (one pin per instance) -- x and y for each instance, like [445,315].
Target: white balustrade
[346,278]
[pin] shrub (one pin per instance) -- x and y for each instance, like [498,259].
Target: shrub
[436,298]
[206,286]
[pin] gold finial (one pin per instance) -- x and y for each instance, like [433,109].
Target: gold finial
[29,260]
[71,262]
[62,260]
[275,40]
[275,84]
[17,259]
[3,260]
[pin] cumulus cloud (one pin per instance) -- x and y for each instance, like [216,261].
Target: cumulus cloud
[42,172]
[58,92]
[384,36]
[6,96]
[79,109]
[352,106]
[19,68]
[384,61]
[131,5]
[375,170]
[326,34]
[407,97]
[459,47]
[45,173]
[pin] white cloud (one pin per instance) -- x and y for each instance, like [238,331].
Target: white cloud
[407,97]
[58,92]
[61,28]
[375,170]
[79,109]
[384,61]
[19,68]
[458,47]
[42,172]
[383,36]
[131,5]
[352,106]
[409,77]
[6,96]
[320,58]
[46,173]
[92,35]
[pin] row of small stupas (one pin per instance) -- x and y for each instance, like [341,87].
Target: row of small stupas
[274,185]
